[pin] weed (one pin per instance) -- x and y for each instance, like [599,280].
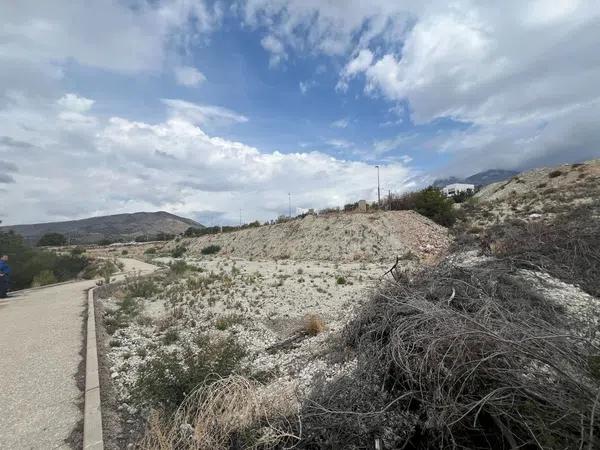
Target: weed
[211,249]
[178,251]
[313,324]
[137,286]
[224,322]
[165,380]
[170,337]
[43,278]
[178,267]
[555,174]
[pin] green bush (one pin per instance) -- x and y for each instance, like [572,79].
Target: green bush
[555,174]
[432,203]
[211,249]
[43,278]
[28,262]
[52,239]
[340,280]
[166,379]
[106,269]
[179,267]
[178,251]
[140,287]
[150,251]
[128,309]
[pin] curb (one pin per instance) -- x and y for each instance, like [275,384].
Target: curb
[92,414]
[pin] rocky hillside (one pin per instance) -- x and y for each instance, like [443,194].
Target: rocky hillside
[336,237]
[119,226]
[538,194]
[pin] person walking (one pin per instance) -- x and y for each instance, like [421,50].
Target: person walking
[4,276]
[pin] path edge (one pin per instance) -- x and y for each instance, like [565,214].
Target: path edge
[92,415]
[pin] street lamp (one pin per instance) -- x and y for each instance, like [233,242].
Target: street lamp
[378,188]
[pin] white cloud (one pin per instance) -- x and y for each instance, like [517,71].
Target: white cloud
[188,76]
[360,63]
[341,123]
[202,114]
[120,165]
[75,103]
[386,145]
[340,143]
[306,85]
[109,35]
[531,67]
[276,49]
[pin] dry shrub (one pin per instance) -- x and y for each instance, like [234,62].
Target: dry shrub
[313,324]
[233,412]
[568,248]
[461,358]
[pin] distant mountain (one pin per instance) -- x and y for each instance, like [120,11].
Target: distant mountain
[479,179]
[118,227]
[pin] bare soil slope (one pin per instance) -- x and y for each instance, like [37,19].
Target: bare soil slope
[337,237]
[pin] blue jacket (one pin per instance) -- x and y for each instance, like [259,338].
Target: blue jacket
[4,268]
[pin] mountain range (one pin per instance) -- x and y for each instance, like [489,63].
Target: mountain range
[479,179]
[114,227]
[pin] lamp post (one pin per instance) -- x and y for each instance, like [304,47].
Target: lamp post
[378,188]
[290,204]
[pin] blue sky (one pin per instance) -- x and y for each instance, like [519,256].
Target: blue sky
[203,108]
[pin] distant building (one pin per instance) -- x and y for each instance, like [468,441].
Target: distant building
[458,188]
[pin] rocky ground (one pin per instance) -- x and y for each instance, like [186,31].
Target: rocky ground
[283,314]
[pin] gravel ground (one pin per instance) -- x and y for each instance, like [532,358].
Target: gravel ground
[258,303]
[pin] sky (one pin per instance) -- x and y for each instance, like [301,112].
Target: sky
[210,107]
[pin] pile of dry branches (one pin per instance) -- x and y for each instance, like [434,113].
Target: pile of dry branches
[461,358]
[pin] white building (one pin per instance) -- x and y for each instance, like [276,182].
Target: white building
[458,188]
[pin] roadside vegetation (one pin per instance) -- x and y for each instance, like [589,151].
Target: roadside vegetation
[36,267]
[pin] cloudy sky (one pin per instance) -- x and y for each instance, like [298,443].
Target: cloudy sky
[203,107]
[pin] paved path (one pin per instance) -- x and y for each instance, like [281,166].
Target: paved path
[40,340]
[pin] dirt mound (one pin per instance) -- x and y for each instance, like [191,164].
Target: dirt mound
[337,237]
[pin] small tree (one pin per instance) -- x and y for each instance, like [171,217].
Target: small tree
[52,239]
[432,203]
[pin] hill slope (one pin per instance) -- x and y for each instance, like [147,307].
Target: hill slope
[539,194]
[119,226]
[335,237]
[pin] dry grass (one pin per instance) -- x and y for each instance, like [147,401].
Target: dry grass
[233,412]
[313,324]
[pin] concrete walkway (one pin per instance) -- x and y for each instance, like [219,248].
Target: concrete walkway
[40,340]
